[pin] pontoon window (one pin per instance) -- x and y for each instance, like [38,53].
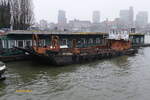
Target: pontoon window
[90,41]
[137,40]
[83,40]
[97,40]
[43,42]
[12,43]
[64,42]
[102,41]
[20,43]
[1,44]
[5,43]
[131,38]
[142,40]
[28,43]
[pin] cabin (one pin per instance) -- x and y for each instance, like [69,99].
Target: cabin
[24,39]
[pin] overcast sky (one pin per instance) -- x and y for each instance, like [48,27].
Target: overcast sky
[82,9]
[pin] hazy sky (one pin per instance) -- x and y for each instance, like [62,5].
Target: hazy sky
[82,9]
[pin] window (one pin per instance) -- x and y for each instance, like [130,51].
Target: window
[102,41]
[83,41]
[12,43]
[5,43]
[137,40]
[28,43]
[64,42]
[20,43]
[131,38]
[97,40]
[142,40]
[90,41]
[1,44]
[42,43]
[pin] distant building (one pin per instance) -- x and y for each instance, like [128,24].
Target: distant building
[131,16]
[115,24]
[78,25]
[43,24]
[96,17]
[142,19]
[127,16]
[62,17]
[124,16]
[52,26]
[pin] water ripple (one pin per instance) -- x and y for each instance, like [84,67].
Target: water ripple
[121,78]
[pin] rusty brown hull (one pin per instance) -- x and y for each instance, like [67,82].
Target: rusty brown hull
[60,60]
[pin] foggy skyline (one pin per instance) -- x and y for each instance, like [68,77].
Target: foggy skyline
[48,10]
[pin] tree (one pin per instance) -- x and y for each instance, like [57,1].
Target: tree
[4,14]
[18,13]
[23,14]
[26,17]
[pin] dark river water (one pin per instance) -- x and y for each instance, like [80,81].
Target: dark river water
[121,78]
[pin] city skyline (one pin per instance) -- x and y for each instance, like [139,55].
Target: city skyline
[50,9]
[126,16]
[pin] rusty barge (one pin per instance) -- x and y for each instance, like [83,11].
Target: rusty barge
[84,42]
[56,54]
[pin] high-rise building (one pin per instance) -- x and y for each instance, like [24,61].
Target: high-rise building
[96,17]
[142,18]
[124,16]
[131,16]
[127,16]
[62,17]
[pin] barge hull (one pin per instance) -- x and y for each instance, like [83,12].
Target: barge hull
[61,60]
[14,58]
